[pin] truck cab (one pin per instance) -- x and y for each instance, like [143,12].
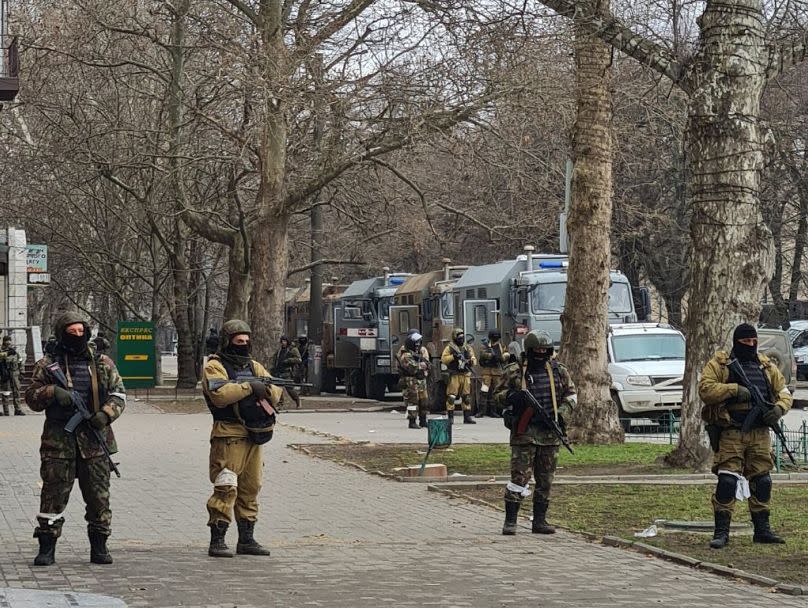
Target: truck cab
[646,364]
[362,335]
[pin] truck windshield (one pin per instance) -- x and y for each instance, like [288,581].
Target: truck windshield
[384,307]
[648,347]
[551,297]
[356,309]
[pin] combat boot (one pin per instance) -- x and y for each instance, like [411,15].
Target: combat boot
[413,424]
[47,548]
[247,545]
[511,514]
[763,533]
[98,547]
[540,525]
[468,418]
[5,408]
[422,421]
[721,534]
[17,410]
[218,548]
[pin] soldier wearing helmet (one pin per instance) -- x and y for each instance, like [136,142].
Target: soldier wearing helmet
[413,365]
[243,419]
[285,365]
[457,360]
[493,357]
[534,448]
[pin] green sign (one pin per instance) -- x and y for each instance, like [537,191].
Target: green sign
[136,354]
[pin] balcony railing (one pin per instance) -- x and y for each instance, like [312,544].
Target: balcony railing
[9,67]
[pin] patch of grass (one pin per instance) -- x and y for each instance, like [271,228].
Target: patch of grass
[494,458]
[621,510]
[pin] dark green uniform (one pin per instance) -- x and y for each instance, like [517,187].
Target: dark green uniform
[10,365]
[65,456]
[284,365]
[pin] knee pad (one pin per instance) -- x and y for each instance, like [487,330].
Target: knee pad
[725,490]
[761,487]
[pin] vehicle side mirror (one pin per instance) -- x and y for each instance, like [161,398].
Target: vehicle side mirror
[394,340]
[644,308]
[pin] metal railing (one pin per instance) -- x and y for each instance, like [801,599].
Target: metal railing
[797,442]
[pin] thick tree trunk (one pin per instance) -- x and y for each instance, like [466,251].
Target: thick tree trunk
[799,242]
[673,306]
[775,222]
[585,317]
[731,253]
[240,280]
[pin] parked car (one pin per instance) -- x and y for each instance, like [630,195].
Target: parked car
[799,343]
[775,344]
[646,363]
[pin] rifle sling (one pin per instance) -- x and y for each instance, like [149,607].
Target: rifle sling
[95,405]
[549,369]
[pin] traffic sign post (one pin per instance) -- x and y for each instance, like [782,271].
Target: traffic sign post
[136,354]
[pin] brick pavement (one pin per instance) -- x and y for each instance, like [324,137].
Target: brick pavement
[339,538]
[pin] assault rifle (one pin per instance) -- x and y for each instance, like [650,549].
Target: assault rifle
[82,414]
[759,407]
[216,384]
[534,408]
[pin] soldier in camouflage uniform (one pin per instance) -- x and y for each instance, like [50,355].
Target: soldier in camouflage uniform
[493,357]
[742,457]
[284,365]
[240,405]
[10,364]
[101,343]
[458,359]
[534,447]
[413,362]
[69,456]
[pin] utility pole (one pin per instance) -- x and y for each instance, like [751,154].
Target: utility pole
[315,329]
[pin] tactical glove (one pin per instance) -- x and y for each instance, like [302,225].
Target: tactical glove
[62,396]
[99,420]
[743,395]
[259,389]
[771,417]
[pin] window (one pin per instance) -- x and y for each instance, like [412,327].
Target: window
[469,294]
[426,310]
[619,298]
[302,327]
[648,347]
[480,318]
[447,306]
[456,305]
[521,302]
[549,297]
[351,312]
[384,308]
[482,293]
[404,320]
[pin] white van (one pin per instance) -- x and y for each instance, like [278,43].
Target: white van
[646,363]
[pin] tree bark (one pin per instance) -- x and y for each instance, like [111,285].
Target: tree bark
[239,283]
[585,317]
[731,253]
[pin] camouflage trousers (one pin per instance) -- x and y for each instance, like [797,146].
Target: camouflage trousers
[537,460]
[490,379]
[416,397]
[58,476]
[235,470]
[458,387]
[748,454]
[10,388]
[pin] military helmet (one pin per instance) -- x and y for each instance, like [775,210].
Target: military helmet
[413,340]
[232,328]
[6,339]
[457,332]
[538,339]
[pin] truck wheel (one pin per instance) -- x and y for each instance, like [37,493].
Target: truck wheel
[329,383]
[375,386]
[356,383]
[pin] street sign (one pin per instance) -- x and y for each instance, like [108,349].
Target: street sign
[136,354]
[39,278]
[36,258]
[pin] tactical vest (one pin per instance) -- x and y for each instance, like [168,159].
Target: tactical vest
[419,358]
[496,349]
[463,353]
[538,383]
[757,377]
[247,412]
[77,372]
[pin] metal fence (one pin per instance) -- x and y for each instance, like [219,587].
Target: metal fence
[666,431]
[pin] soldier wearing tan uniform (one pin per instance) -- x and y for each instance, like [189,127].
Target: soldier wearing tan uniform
[458,359]
[243,409]
[493,358]
[740,457]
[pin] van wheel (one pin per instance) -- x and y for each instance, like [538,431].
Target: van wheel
[625,419]
[375,386]
[329,383]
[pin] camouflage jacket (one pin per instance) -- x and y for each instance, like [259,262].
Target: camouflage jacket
[11,360]
[285,361]
[108,395]
[513,379]
[410,362]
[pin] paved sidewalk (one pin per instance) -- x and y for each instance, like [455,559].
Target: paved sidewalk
[339,538]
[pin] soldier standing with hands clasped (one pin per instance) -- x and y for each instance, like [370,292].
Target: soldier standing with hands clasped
[458,359]
[742,460]
[413,360]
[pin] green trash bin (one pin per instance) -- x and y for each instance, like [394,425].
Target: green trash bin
[439,432]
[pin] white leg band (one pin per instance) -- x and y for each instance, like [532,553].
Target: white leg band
[523,490]
[742,490]
[226,478]
[51,517]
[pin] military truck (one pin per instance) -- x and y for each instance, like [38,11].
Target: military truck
[526,293]
[425,302]
[362,335]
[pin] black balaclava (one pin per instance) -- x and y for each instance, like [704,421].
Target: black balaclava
[239,350]
[69,343]
[742,351]
[536,360]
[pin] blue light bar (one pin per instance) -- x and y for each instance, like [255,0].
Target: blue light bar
[397,280]
[553,264]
